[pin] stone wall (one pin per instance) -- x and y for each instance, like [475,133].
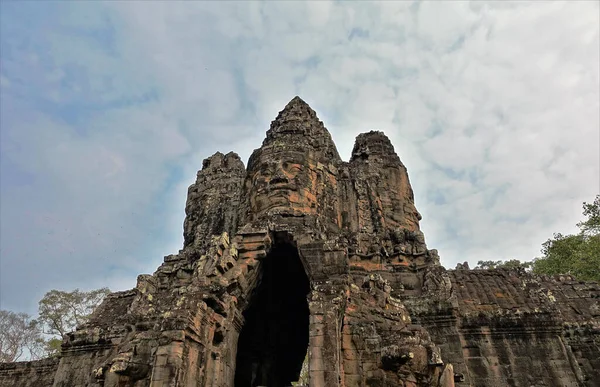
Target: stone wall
[38,373]
[511,328]
[303,253]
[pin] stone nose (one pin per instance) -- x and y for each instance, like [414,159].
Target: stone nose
[278,178]
[279,175]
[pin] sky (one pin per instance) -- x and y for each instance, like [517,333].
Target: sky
[109,108]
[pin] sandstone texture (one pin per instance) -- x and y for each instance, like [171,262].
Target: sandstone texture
[38,373]
[301,253]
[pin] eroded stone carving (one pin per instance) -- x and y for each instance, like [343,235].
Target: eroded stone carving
[301,254]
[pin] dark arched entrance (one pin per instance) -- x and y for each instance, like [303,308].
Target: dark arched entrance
[274,339]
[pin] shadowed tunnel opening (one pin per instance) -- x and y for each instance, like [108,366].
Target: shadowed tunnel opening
[274,339]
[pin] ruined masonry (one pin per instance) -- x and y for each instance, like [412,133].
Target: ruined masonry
[301,255]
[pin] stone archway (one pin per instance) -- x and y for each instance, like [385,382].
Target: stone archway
[274,339]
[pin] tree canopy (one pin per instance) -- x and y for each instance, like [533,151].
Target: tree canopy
[510,264]
[577,254]
[20,337]
[60,312]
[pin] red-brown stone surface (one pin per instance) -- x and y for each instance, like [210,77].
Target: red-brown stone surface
[302,255]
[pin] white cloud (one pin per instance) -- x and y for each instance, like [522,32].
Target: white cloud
[492,106]
[319,13]
[441,25]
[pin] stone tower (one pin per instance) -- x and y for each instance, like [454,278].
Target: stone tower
[304,256]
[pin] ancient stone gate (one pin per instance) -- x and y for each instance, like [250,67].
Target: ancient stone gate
[301,253]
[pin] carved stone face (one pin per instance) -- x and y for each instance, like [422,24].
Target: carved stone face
[283,182]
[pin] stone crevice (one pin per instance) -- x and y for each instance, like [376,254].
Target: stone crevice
[300,253]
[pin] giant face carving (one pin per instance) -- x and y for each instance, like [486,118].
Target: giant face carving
[282,181]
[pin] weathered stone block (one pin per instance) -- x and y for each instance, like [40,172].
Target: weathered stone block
[302,253]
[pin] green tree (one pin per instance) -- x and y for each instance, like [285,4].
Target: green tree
[577,254]
[591,226]
[20,337]
[23,338]
[515,264]
[487,264]
[61,312]
[510,264]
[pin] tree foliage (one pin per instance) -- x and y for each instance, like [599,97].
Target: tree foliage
[61,312]
[577,254]
[20,337]
[510,264]
[591,226]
